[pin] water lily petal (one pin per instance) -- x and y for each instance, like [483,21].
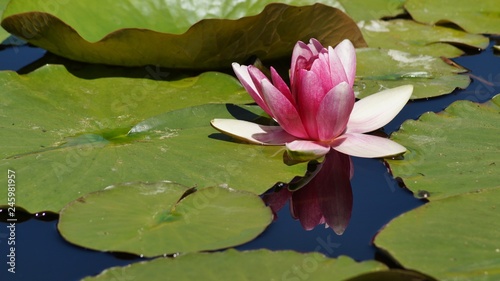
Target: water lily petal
[337,71]
[367,146]
[321,68]
[303,150]
[252,132]
[246,80]
[283,110]
[347,55]
[280,84]
[310,96]
[377,110]
[300,58]
[334,110]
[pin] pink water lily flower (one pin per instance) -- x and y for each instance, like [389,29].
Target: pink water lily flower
[318,111]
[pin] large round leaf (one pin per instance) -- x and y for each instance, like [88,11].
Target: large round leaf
[451,152]
[249,265]
[163,218]
[66,136]
[418,39]
[379,69]
[191,34]
[457,238]
[473,16]
[3,33]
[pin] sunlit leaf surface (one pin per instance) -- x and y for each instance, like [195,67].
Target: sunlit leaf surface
[456,238]
[419,39]
[380,69]
[163,218]
[451,152]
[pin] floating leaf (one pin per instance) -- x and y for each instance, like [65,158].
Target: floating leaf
[418,39]
[456,238]
[452,152]
[188,35]
[379,69]
[249,265]
[473,16]
[159,218]
[373,9]
[69,136]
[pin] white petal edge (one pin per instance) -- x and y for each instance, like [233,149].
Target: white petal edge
[303,150]
[252,132]
[367,146]
[376,110]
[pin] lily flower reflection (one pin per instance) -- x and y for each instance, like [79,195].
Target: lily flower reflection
[324,195]
[318,111]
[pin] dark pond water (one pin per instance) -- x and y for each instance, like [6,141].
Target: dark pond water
[40,251]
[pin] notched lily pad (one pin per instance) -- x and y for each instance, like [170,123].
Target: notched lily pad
[451,152]
[152,219]
[379,69]
[456,238]
[248,265]
[209,43]
[419,39]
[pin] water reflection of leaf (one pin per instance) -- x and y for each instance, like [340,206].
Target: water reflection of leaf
[324,198]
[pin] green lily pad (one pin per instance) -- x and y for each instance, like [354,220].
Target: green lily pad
[248,265]
[163,218]
[372,10]
[69,136]
[456,238]
[418,39]
[195,35]
[473,16]
[379,69]
[452,152]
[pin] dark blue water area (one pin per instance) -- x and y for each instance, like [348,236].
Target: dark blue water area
[42,254]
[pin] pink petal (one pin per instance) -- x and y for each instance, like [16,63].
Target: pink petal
[246,80]
[321,68]
[310,94]
[283,110]
[376,110]
[251,132]
[315,46]
[303,150]
[347,55]
[281,85]
[366,146]
[300,57]
[334,111]
[337,71]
